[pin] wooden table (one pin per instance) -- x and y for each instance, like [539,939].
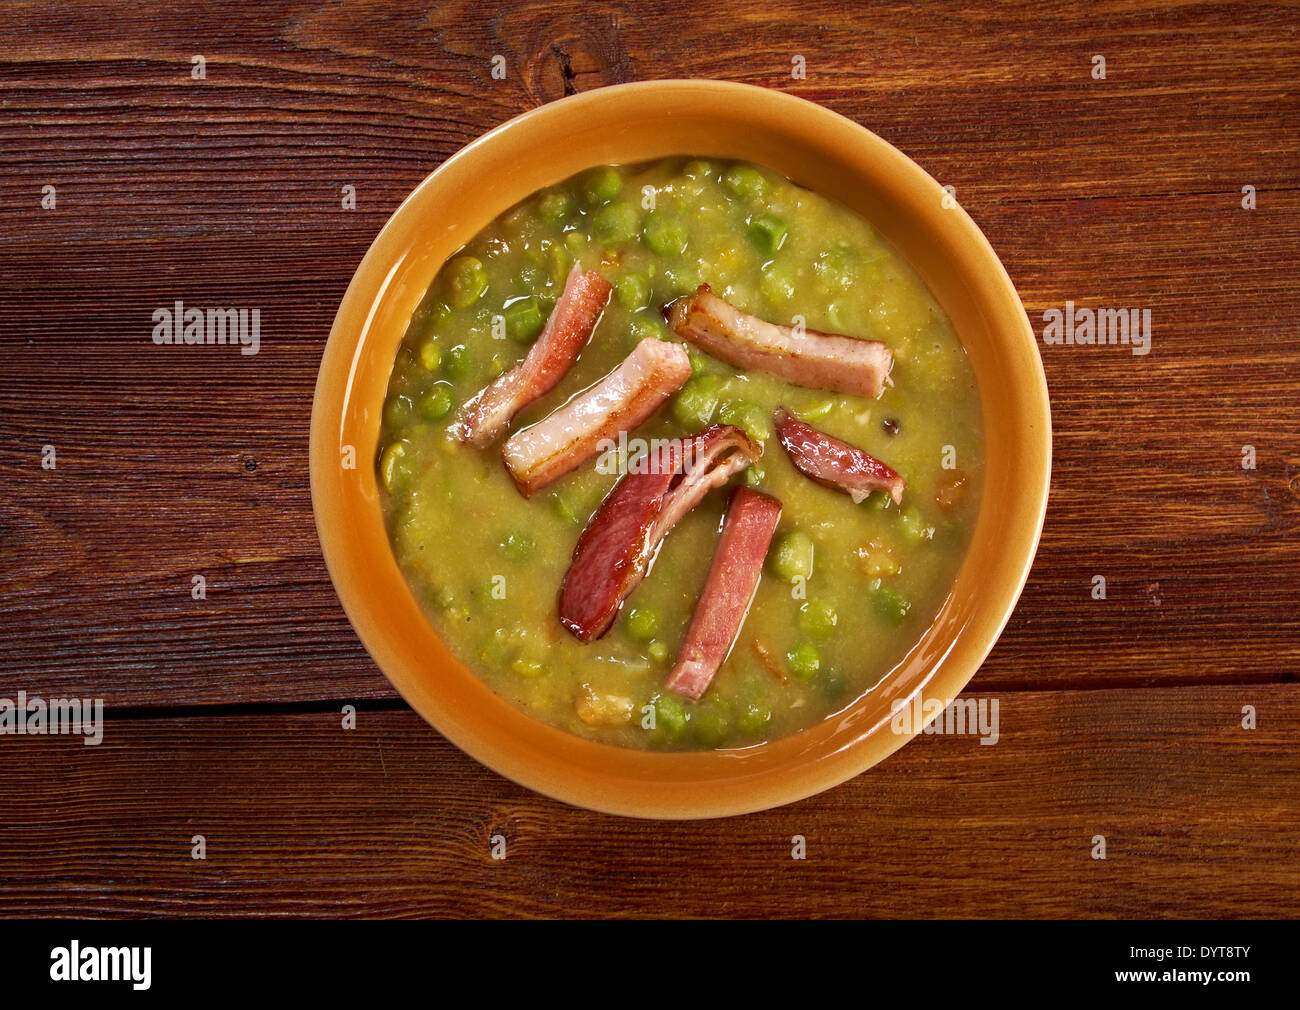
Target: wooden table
[1119,717]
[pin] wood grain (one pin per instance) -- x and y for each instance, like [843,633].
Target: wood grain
[1123,192]
[303,818]
[226,192]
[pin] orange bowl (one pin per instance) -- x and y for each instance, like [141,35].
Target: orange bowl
[619,125]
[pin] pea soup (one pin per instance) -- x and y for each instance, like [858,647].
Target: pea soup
[847,586]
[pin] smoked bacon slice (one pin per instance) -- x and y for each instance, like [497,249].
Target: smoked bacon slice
[728,591]
[573,433]
[834,463]
[804,357]
[484,417]
[614,552]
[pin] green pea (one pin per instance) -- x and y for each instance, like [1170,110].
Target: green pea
[527,667]
[877,501]
[645,325]
[832,684]
[793,557]
[601,185]
[914,527]
[524,319]
[699,168]
[754,718]
[709,724]
[748,417]
[556,207]
[776,284]
[430,355]
[633,290]
[496,647]
[745,181]
[466,281]
[532,274]
[641,624]
[458,362]
[835,264]
[560,264]
[435,404]
[565,509]
[818,618]
[665,234]
[768,233]
[616,222]
[817,410]
[803,661]
[517,545]
[670,715]
[681,280]
[890,605]
[575,242]
[699,361]
[696,402]
[397,410]
[395,466]
[658,652]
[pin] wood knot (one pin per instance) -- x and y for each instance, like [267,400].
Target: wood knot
[573,56]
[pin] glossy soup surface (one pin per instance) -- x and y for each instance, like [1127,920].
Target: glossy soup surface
[847,589]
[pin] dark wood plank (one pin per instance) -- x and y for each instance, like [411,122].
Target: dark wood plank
[1123,192]
[1001,94]
[303,818]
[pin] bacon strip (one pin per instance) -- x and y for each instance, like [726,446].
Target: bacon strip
[620,401]
[817,360]
[728,591]
[615,550]
[486,415]
[834,463]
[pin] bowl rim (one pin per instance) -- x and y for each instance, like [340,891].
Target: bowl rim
[340,358]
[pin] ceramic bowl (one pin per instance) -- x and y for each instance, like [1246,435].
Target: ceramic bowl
[629,123]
